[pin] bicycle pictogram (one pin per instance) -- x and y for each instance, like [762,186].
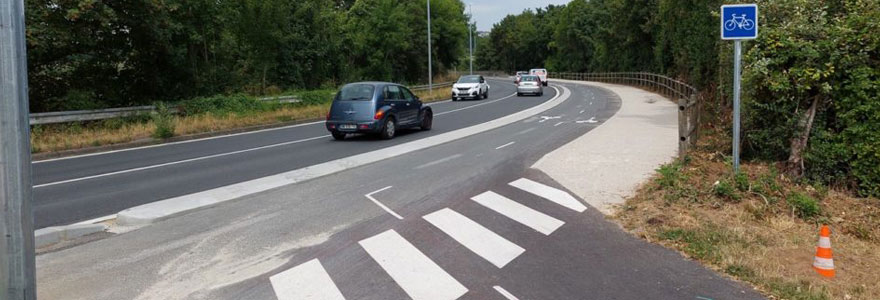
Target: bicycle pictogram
[740,22]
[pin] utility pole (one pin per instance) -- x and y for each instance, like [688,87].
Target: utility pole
[471,38]
[430,68]
[17,267]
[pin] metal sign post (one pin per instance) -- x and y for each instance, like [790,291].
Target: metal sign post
[738,22]
[17,269]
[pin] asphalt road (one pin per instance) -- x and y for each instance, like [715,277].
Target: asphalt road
[86,187]
[266,245]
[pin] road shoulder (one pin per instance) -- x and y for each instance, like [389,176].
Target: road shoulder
[637,140]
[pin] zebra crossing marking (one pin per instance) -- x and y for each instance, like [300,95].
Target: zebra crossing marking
[307,281]
[523,214]
[419,276]
[550,193]
[482,241]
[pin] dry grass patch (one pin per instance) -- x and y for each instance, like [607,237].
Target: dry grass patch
[77,136]
[760,227]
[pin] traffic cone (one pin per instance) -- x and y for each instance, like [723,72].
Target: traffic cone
[824,263]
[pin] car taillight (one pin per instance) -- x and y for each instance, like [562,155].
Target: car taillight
[379,115]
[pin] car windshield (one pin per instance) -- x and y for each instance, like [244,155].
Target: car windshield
[469,79]
[538,72]
[356,92]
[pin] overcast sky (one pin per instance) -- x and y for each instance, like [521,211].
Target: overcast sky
[489,12]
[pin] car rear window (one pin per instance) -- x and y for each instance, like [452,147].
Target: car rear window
[530,78]
[539,72]
[356,92]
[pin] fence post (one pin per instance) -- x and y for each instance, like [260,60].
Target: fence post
[682,129]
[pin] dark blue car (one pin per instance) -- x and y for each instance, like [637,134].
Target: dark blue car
[380,108]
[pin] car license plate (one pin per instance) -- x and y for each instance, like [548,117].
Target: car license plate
[347,127]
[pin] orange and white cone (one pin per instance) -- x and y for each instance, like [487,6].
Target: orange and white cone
[824,263]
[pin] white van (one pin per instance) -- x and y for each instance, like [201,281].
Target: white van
[541,73]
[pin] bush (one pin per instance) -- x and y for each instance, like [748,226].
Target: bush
[804,206]
[164,121]
[316,97]
[725,189]
[222,104]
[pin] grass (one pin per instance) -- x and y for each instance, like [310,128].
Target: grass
[759,226]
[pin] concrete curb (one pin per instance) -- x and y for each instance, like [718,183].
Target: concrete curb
[53,235]
[161,210]
[639,138]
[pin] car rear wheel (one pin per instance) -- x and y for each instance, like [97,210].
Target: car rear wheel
[427,121]
[338,135]
[389,130]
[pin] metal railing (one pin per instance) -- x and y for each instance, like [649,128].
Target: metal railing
[110,113]
[678,91]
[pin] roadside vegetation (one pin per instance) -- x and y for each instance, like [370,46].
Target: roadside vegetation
[85,54]
[811,129]
[759,226]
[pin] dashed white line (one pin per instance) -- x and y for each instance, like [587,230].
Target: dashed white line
[439,161]
[370,196]
[582,111]
[482,241]
[555,195]
[525,131]
[557,124]
[505,293]
[306,281]
[418,276]
[525,215]
[505,145]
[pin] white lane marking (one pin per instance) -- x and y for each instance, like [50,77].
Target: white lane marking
[505,293]
[306,281]
[439,161]
[505,145]
[545,118]
[177,143]
[582,111]
[523,214]
[557,124]
[168,208]
[178,162]
[549,193]
[370,196]
[482,241]
[216,155]
[419,276]
[591,103]
[97,220]
[525,131]
[590,121]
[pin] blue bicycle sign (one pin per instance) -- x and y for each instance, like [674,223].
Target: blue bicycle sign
[739,21]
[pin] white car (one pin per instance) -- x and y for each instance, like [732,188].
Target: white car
[470,86]
[541,73]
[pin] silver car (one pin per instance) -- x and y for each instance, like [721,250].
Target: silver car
[529,84]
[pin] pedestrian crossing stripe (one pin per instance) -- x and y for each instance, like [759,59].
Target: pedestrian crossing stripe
[555,195]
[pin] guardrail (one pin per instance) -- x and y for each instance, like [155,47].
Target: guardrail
[680,92]
[110,113]
[425,87]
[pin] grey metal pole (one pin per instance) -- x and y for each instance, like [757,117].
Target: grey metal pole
[737,58]
[471,39]
[430,57]
[17,267]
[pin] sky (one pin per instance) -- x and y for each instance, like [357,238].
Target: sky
[489,12]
